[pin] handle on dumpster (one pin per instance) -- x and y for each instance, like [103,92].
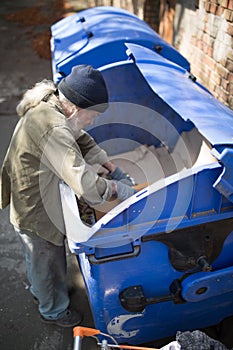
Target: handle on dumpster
[80,332]
[204,285]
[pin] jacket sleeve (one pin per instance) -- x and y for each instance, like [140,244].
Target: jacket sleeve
[5,188]
[62,155]
[92,153]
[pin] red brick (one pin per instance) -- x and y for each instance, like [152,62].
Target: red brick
[230,89]
[207,6]
[208,40]
[207,72]
[215,77]
[210,62]
[210,51]
[213,8]
[229,65]
[230,55]
[211,86]
[219,11]
[223,72]
[228,15]
[222,93]
[223,61]
[224,3]
[204,37]
[230,5]
[230,29]
[205,76]
[225,84]
[201,45]
[205,48]
[230,77]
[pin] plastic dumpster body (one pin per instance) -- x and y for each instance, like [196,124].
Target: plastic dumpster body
[162,260]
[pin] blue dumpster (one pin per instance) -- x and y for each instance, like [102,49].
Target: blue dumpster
[97,35]
[161,261]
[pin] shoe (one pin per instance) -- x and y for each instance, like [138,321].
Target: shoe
[68,319]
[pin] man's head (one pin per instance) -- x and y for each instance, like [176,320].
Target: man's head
[85,88]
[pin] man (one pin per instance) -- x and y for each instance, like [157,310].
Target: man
[49,145]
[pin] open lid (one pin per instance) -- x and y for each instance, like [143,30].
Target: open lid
[191,101]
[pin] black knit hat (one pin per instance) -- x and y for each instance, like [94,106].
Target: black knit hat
[85,87]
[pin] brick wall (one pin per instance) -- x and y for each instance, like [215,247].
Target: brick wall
[203,33]
[151,13]
[134,6]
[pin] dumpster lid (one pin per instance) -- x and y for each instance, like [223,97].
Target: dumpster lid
[97,35]
[200,107]
[96,27]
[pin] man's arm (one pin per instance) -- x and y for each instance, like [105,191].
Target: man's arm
[62,155]
[92,153]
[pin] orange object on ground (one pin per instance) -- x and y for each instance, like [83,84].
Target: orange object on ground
[85,332]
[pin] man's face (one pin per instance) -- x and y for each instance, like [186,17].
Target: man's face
[80,118]
[86,117]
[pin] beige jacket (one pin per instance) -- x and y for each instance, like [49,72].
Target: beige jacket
[42,151]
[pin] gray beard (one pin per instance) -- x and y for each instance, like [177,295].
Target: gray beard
[74,126]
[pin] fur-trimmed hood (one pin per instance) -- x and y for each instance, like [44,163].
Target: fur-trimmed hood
[42,91]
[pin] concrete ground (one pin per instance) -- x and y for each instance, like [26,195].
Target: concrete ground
[24,61]
[21,66]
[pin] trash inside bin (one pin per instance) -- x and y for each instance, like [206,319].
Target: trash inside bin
[161,261]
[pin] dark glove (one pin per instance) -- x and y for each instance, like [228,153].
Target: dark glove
[124,191]
[197,340]
[119,175]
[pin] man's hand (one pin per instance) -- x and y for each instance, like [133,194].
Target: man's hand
[124,191]
[121,176]
[115,173]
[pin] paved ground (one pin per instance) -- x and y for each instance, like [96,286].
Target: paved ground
[21,66]
[24,61]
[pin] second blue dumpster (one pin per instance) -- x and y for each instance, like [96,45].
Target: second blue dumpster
[97,35]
